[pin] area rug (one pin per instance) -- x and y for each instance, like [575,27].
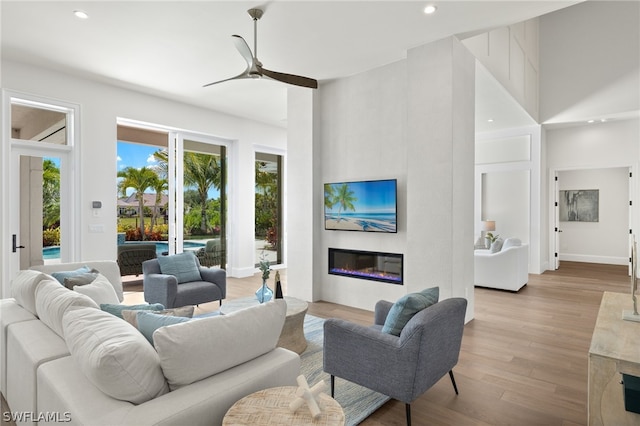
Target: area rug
[357,402]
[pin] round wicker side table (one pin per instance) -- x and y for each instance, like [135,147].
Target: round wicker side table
[271,406]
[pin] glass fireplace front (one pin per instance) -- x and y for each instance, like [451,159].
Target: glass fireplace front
[368,265]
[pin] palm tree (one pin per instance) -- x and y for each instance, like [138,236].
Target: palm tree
[50,193]
[139,180]
[329,196]
[344,197]
[159,186]
[202,171]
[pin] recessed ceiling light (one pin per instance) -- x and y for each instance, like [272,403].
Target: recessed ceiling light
[603,120]
[430,9]
[591,121]
[490,120]
[81,14]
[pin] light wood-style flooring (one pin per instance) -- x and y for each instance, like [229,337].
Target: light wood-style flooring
[523,359]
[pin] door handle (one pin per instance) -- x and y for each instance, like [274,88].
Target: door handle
[15,245]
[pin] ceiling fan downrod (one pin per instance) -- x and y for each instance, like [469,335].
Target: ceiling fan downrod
[255,14]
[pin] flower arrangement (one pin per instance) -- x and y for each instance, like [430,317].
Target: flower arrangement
[264,266]
[492,238]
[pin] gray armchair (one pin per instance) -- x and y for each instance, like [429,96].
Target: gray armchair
[402,367]
[165,289]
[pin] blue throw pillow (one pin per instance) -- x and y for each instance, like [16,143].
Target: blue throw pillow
[406,307]
[61,275]
[183,266]
[148,322]
[116,310]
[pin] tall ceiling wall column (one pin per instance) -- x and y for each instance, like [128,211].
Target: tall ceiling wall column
[440,169]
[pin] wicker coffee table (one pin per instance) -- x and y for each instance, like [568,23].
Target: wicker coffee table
[292,336]
[271,406]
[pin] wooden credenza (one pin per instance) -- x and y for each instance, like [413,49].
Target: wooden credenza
[615,349]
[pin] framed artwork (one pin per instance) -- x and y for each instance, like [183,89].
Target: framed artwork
[580,205]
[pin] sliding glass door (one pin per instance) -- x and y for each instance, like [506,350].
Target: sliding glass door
[172,192]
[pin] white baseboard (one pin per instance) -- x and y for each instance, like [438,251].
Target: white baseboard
[609,260]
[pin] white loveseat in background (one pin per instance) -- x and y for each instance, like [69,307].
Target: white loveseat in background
[507,269]
[57,364]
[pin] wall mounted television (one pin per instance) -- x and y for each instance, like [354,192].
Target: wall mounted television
[369,206]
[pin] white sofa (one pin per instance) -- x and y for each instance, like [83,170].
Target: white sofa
[66,361]
[507,269]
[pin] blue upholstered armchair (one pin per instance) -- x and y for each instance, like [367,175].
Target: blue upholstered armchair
[179,280]
[402,367]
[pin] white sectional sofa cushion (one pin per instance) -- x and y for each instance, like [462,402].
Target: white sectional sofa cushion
[10,313]
[113,355]
[246,334]
[53,300]
[32,344]
[23,288]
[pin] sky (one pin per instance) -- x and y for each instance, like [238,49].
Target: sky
[373,196]
[138,156]
[135,155]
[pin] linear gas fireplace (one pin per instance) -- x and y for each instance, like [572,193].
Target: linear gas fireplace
[368,265]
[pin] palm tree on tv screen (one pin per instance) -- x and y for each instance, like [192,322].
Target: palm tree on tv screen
[345,198]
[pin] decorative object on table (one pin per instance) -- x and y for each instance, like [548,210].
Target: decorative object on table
[579,205]
[633,315]
[306,395]
[264,293]
[483,242]
[278,286]
[490,226]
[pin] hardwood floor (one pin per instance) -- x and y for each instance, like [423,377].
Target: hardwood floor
[523,359]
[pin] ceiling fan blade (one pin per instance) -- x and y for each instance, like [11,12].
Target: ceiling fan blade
[244,50]
[296,80]
[245,74]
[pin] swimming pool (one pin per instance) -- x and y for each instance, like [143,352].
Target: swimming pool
[53,252]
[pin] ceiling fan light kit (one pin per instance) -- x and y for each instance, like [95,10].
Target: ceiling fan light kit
[254,66]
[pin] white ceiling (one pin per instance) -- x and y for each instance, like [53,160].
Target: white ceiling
[171,49]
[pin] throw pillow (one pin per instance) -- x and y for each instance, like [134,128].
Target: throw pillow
[496,246]
[148,322]
[100,291]
[132,316]
[183,266]
[53,300]
[23,288]
[82,279]
[218,343]
[61,275]
[115,309]
[406,307]
[114,356]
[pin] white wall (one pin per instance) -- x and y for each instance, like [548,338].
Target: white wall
[613,144]
[511,55]
[413,121]
[590,61]
[605,241]
[100,106]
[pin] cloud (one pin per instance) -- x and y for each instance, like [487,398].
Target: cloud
[119,158]
[151,159]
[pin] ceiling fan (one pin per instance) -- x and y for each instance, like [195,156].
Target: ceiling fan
[254,66]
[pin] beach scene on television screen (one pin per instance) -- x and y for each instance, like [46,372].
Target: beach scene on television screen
[368,206]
